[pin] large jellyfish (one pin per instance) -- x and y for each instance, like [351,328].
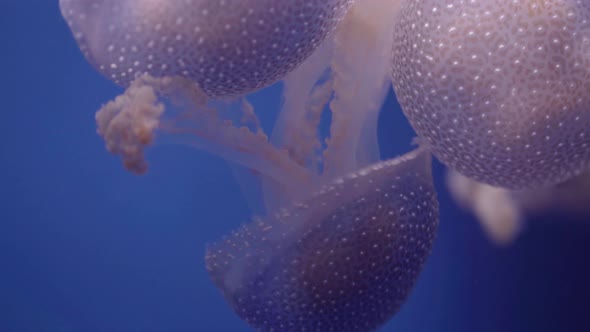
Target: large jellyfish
[343,236]
[500,89]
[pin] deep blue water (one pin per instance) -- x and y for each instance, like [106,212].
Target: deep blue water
[86,246]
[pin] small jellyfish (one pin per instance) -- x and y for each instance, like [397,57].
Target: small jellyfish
[499,89]
[345,259]
[342,237]
[228,47]
[502,213]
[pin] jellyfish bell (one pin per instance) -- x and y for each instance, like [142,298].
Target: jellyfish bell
[345,259]
[228,47]
[499,89]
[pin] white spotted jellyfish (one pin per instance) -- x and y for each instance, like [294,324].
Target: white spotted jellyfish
[228,47]
[499,89]
[343,236]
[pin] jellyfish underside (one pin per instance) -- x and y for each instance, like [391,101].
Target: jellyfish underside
[228,47]
[328,199]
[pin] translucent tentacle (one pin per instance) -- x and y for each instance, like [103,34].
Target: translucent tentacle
[296,129]
[496,209]
[304,99]
[360,65]
[127,124]
[502,212]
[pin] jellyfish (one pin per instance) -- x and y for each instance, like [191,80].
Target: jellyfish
[345,259]
[342,236]
[503,213]
[500,89]
[227,47]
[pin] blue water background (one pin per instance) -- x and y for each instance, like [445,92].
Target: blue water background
[87,247]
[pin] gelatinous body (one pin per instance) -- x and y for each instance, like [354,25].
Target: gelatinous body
[500,89]
[343,260]
[229,47]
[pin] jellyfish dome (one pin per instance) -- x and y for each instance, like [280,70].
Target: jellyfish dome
[228,47]
[499,89]
[343,260]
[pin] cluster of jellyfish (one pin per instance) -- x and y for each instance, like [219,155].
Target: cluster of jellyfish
[498,91]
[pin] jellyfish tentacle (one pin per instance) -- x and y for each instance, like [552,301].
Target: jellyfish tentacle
[503,213]
[237,143]
[498,212]
[296,128]
[128,123]
[361,84]
[349,71]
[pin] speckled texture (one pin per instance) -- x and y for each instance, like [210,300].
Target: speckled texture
[500,89]
[344,260]
[229,47]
